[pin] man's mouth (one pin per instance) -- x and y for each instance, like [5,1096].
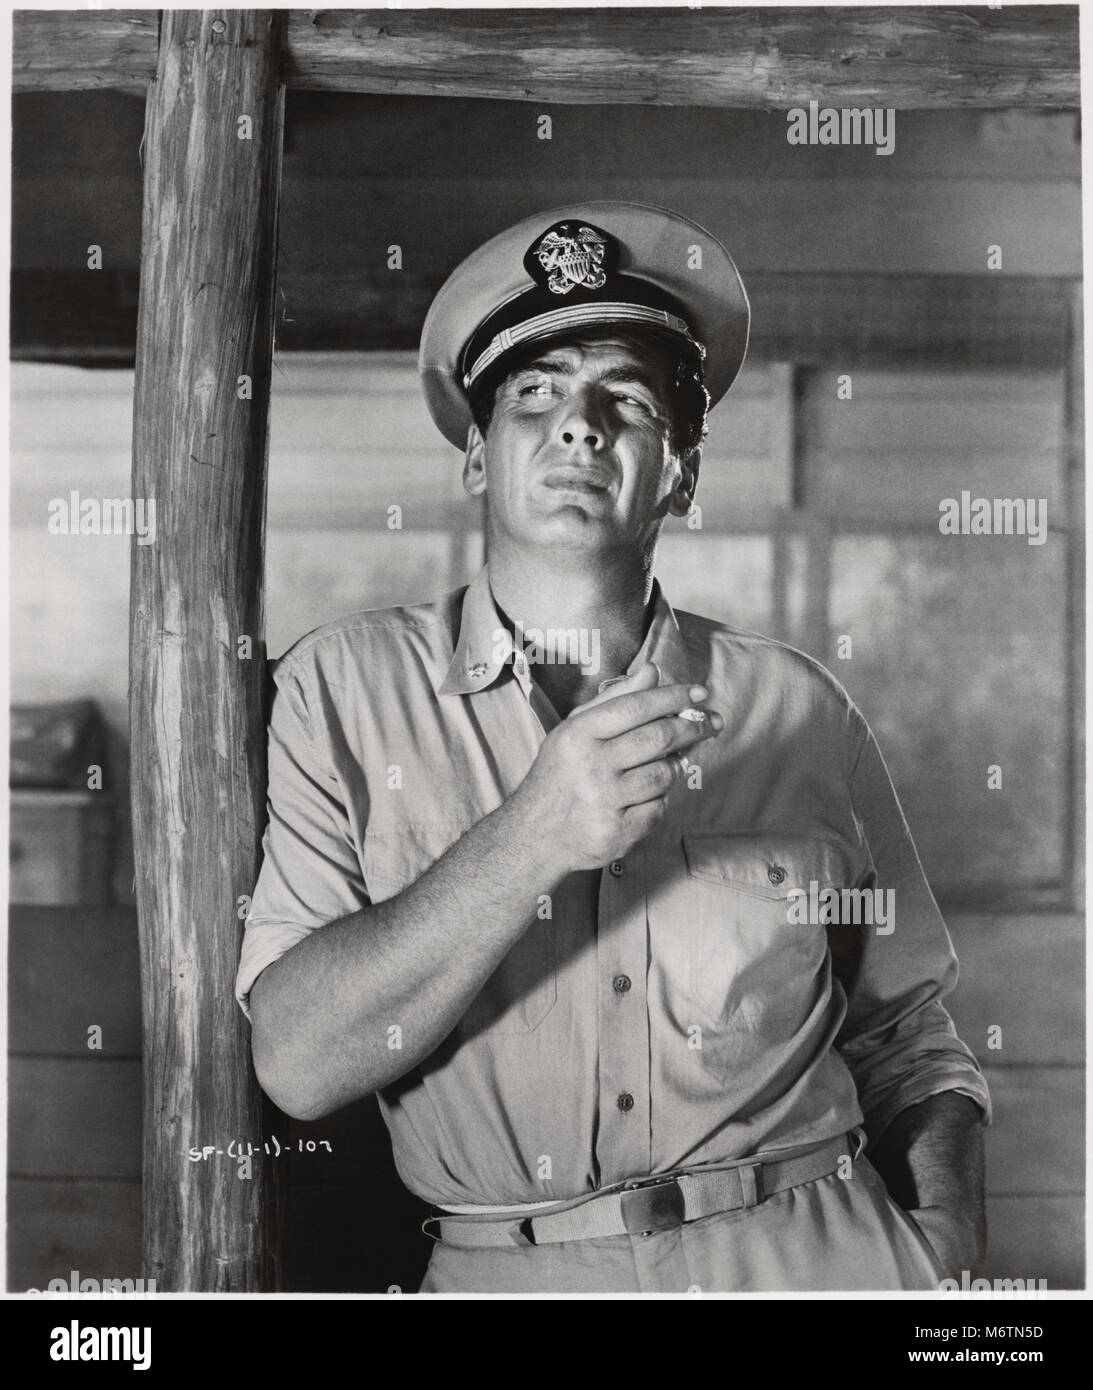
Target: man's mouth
[577,480]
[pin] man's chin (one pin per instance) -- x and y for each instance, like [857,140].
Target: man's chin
[573,527]
[575,530]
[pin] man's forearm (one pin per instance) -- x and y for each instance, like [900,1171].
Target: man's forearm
[321,1012]
[931,1159]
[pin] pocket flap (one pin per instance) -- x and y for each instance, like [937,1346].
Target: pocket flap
[768,864]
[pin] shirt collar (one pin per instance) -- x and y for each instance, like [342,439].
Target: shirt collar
[485,647]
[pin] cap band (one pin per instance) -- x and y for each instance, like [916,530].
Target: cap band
[577,316]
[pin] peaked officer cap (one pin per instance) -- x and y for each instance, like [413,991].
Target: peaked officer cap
[589,266]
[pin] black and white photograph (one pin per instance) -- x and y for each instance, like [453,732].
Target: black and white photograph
[547,656]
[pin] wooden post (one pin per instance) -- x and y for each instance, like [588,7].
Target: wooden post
[212,157]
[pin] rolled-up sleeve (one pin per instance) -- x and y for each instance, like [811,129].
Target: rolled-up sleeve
[898,1038]
[311,872]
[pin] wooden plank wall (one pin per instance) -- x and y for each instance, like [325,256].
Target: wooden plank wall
[1026,974]
[74,1115]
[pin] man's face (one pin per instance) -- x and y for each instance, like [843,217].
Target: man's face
[579,452]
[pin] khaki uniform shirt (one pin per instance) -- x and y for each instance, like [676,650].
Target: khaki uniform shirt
[670,1010]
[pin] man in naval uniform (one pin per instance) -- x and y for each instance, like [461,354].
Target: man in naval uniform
[561,945]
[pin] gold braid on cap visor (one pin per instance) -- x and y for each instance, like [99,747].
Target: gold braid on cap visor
[577,316]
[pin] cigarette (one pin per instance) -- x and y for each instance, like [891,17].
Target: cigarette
[696,716]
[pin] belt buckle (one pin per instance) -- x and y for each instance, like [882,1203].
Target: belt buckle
[651,1204]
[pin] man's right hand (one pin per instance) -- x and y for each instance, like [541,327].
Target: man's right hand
[601,779]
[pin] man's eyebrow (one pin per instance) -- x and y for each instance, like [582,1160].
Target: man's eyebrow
[560,366]
[631,374]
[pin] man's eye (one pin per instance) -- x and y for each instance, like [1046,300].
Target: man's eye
[543,388]
[625,399]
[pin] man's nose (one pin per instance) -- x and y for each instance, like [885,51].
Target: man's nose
[583,423]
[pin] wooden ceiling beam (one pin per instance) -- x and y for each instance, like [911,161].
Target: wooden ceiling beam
[761,58]
[73,50]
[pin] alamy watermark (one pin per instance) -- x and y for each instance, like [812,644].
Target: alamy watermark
[552,646]
[994,516]
[842,126]
[108,516]
[76,1343]
[101,1288]
[831,907]
[1003,1288]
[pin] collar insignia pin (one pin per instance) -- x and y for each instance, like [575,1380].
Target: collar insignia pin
[477,670]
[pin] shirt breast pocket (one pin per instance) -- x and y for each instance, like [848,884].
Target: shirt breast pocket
[523,989]
[754,965]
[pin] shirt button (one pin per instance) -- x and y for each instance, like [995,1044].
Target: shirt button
[616,868]
[621,983]
[776,874]
[626,1101]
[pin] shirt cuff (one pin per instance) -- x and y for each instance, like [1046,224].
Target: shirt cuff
[263,943]
[975,1088]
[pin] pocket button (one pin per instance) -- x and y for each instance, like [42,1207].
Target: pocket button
[776,874]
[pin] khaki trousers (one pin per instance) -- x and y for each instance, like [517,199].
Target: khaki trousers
[831,1234]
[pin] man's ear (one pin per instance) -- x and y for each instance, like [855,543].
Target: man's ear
[684,493]
[474,464]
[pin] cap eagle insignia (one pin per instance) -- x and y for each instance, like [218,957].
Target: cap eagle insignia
[572,259]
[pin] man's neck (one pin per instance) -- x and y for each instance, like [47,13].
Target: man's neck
[603,606]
